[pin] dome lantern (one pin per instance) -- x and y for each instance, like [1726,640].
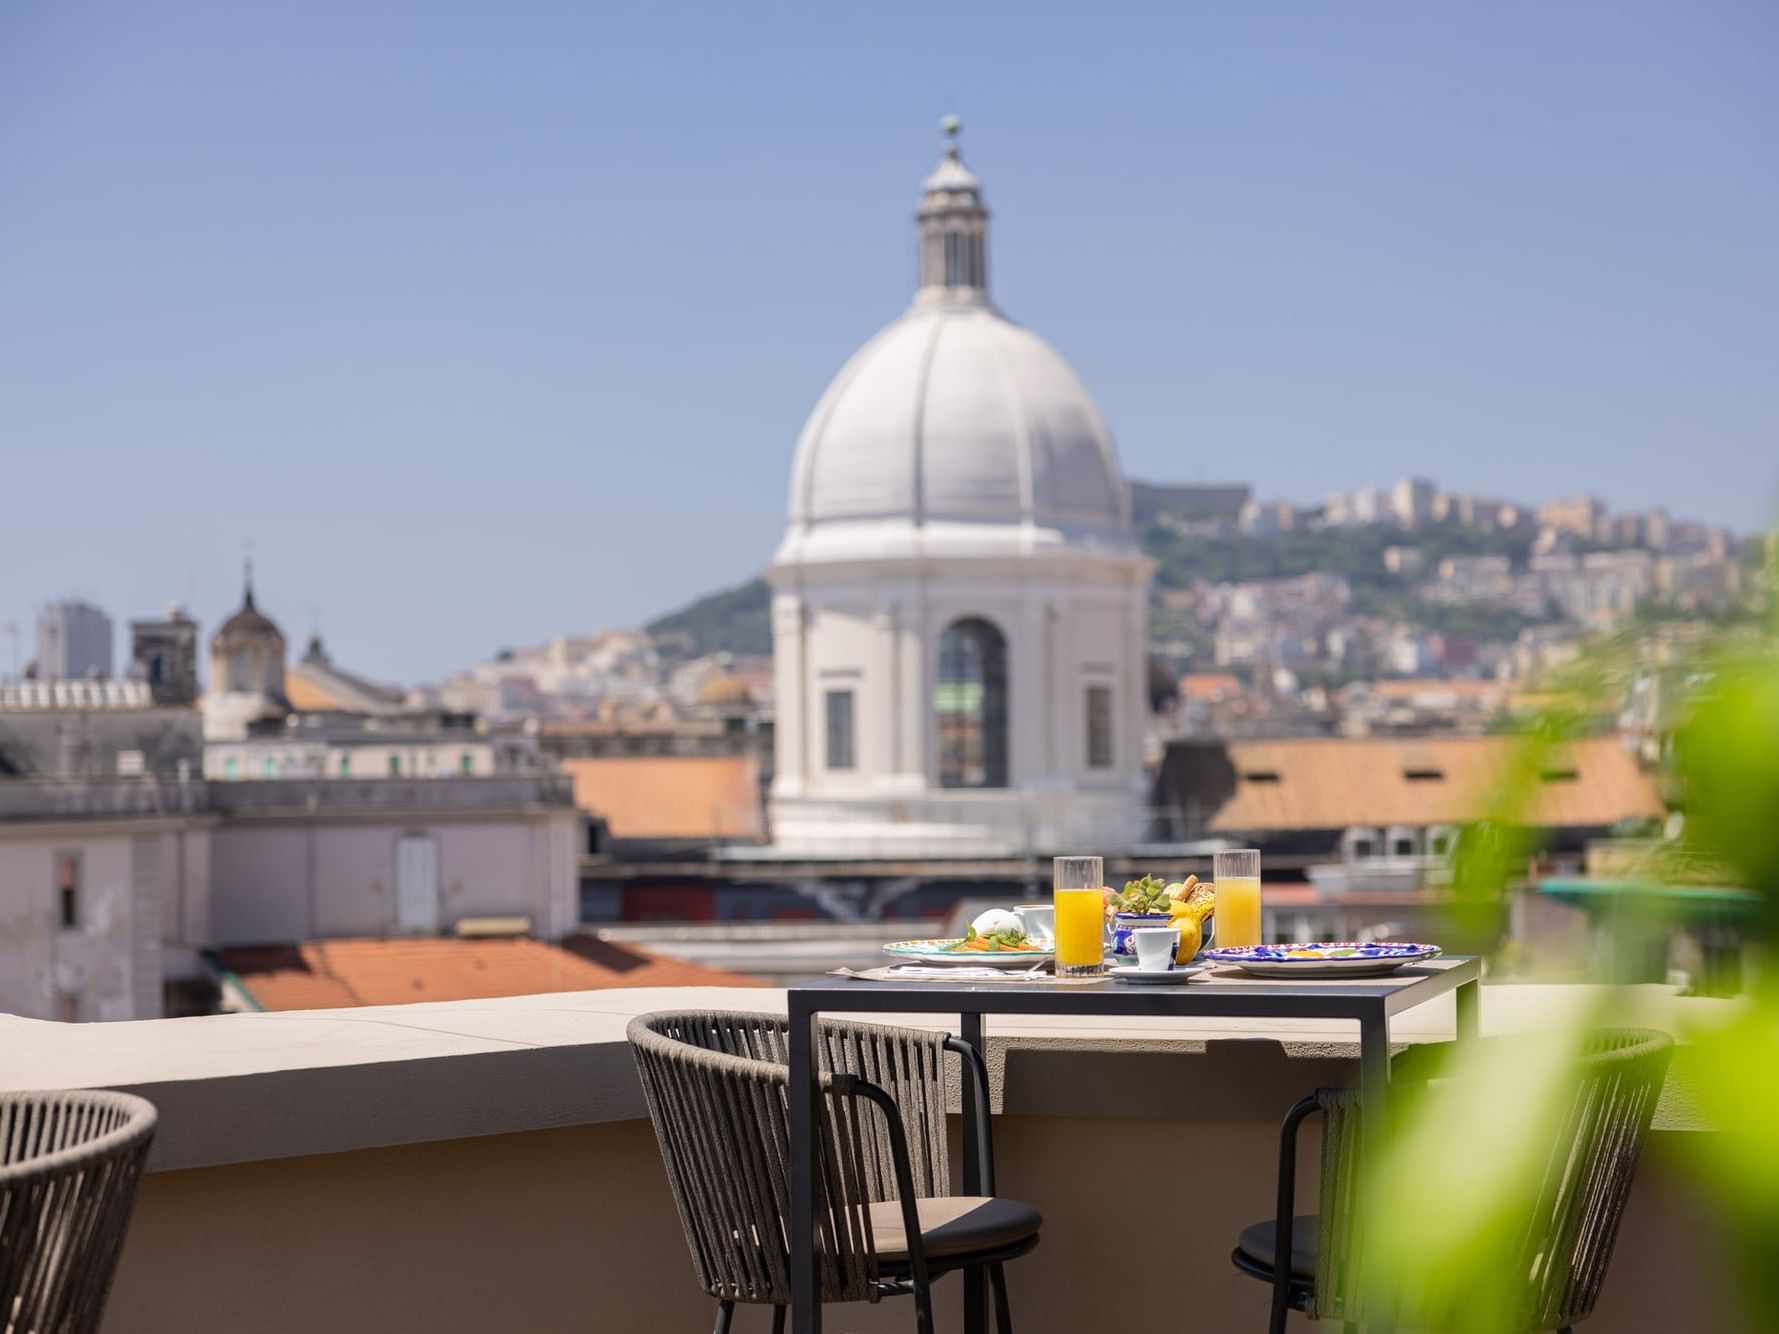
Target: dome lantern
[953,228]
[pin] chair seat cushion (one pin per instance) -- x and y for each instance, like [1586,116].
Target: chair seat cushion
[1260,1243]
[954,1225]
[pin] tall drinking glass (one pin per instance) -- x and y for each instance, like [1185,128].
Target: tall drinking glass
[1237,875]
[1080,916]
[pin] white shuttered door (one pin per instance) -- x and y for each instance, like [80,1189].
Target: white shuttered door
[417,886]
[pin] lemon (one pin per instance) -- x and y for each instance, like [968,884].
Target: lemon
[1191,937]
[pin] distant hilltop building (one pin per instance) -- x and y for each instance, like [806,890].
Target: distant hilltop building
[959,605]
[1579,516]
[73,642]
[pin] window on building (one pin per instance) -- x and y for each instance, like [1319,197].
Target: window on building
[231,767]
[270,767]
[840,729]
[345,766]
[970,705]
[68,889]
[241,671]
[1099,727]
[395,766]
[466,764]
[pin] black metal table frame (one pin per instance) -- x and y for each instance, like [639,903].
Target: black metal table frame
[1370,1005]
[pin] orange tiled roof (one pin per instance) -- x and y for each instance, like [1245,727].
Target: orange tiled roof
[306,696]
[1209,685]
[333,974]
[1338,783]
[670,796]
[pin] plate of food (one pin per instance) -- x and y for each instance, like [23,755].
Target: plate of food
[996,939]
[1323,958]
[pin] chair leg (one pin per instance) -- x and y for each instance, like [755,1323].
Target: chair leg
[778,1320]
[923,1307]
[725,1312]
[1003,1315]
[1281,1308]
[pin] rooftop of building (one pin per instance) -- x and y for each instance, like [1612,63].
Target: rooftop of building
[670,797]
[334,974]
[1322,783]
[69,696]
[314,682]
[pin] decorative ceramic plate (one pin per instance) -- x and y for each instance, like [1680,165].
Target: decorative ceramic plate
[935,951]
[1177,976]
[1323,958]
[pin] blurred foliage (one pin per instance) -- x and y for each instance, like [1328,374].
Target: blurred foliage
[1722,773]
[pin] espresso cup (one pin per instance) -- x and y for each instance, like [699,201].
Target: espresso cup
[1155,947]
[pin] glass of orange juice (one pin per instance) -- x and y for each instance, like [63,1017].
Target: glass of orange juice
[1080,916]
[1237,875]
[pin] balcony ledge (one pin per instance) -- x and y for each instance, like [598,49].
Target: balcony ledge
[256,1087]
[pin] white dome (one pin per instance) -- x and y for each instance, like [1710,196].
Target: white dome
[954,412]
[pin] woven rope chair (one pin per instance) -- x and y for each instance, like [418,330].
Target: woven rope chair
[69,1164]
[1570,1225]
[886,1223]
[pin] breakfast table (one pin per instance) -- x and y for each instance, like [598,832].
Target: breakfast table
[1371,1003]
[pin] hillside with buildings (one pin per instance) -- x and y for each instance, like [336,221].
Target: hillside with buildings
[1405,581]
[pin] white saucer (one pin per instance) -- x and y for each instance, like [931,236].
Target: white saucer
[1178,975]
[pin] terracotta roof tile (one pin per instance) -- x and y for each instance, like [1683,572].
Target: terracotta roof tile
[671,796]
[306,696]
[331,974]
[1210,685]
[1339,783]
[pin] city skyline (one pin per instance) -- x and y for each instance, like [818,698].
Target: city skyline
[375,279]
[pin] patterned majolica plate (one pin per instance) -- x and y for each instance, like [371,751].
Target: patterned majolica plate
[934,951]
[1323,958]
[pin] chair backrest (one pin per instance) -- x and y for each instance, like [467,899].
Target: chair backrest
[717,1086]
[69,1164]
[1571,1222]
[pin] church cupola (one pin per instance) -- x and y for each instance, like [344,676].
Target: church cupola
[953,229]
[246,671]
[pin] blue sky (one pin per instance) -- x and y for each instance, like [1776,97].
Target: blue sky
[490,322]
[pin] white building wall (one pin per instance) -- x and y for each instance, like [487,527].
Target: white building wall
[316,879]
[1068,621]
[109,963]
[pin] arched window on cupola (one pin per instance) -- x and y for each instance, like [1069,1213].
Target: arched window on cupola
[970,704]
